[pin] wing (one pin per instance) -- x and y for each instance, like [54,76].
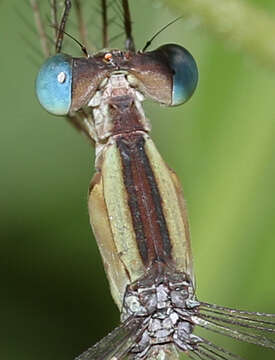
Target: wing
[208,351]
[116,345]
[253,327]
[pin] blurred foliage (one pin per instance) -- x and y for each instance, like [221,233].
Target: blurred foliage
[55,299]
[247,27]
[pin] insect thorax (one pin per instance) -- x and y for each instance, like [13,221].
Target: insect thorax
[167,304]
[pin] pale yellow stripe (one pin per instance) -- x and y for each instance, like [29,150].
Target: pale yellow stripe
[119,214]
[173,209]
[114,268]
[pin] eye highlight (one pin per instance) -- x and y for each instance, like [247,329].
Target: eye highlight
[185,72]
[54,84]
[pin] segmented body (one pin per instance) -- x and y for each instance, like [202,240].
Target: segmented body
[132,193]
[136,204]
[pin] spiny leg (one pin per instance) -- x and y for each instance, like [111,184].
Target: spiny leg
[104,9]
[62,26]
[130,45]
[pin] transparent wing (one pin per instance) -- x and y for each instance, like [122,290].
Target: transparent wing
[253,327]
[208,351]
[117,344]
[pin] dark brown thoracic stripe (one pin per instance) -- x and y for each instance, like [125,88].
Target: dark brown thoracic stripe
[144,200]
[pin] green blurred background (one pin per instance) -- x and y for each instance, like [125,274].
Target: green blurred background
[55,300]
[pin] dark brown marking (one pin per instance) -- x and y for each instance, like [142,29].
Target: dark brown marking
[144,200]
[150,68]
[125,115]
[156,197]
[125,153]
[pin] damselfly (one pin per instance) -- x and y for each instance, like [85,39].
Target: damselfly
[136,204]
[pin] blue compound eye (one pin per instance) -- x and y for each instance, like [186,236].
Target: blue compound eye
[185,72]
[54,84]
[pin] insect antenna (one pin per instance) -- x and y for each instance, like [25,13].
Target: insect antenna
[149,42]
[83,48]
